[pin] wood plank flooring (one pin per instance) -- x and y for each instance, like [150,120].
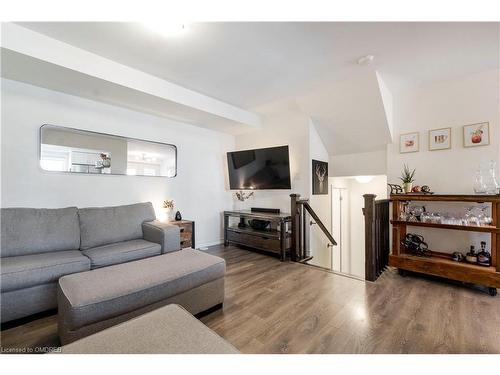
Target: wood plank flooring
[275,307]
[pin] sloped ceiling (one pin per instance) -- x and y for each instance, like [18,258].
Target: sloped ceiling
[349,114]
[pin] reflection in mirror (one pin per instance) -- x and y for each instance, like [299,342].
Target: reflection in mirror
[79,151]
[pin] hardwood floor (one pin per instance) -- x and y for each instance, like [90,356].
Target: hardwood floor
[274,307]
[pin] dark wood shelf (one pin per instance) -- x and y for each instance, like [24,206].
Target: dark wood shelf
[441,264]
[268,232]
[469,228]
[273,240]
[446,267]
[479,198]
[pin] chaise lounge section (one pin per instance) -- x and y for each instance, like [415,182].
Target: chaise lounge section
[92,301]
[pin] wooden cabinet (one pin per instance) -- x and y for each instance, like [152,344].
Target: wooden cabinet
[276,240]
[441,264]
[187,233]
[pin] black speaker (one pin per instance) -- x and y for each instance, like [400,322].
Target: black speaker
[266,210]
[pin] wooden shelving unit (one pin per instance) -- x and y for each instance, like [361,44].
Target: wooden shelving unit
[441,264]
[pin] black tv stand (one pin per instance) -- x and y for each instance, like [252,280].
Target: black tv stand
[275,240]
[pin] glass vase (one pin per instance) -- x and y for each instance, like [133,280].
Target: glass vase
[479,185]
[489,178]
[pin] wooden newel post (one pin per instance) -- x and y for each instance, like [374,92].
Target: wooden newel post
[294,212]
[369,212]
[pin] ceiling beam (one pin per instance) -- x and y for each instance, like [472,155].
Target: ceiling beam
[42,48]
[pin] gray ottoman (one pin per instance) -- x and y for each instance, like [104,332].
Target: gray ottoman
[167,330]
[91,301]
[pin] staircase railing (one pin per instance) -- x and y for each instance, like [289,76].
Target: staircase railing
[376,214]
[300,247]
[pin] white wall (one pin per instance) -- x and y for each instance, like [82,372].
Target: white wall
[284,127]
[472,99]
[199,190]
[288,126]
[359,164]
[320,203]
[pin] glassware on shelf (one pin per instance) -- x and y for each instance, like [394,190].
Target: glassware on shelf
[479,185]
[426,217]
[450,219]
[412,218]
[491,181]
[483,217]
[436,218]
[404,215]
[416,212]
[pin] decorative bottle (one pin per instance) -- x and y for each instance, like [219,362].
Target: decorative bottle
[479,186]
[490,179]
[484,257]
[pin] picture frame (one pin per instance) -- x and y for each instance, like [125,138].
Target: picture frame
[440,139]
[476,134]
[319,177]
[409,142]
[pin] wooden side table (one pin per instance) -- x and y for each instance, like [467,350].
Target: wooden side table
[187,232]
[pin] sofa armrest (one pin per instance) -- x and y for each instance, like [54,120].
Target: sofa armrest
[167,235]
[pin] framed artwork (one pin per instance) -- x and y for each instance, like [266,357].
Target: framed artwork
[408,143]
[439,139]
[319,177]
[477,134]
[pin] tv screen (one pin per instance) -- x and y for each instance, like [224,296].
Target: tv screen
[264,168]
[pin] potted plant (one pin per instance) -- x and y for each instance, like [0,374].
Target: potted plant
[168,205]
[407,178]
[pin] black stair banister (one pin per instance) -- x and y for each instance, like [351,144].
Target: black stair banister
[376,213]
[299,210]
[320,224]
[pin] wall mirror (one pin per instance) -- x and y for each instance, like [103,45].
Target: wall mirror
[79,151]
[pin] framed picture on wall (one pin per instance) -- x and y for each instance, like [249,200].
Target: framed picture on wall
[408,143]
[439,139]
[319,177]
[477,134]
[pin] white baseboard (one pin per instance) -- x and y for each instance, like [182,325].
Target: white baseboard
[203,246]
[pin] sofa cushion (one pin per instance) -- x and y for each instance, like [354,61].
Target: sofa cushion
[121,252]
[105,225]
[167,330]
[30,270]
[103,293]
[26,231]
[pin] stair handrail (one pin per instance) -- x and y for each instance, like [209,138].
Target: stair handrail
[299,240]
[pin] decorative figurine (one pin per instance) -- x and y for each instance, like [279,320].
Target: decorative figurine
[457,256]
[415,245]
[484,257]
[395,189]
[178,216]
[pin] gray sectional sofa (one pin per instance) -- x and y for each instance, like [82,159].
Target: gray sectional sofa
[39,246]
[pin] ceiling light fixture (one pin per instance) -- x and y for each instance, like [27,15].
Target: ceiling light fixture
[167,29]
[365,60]
[364,179]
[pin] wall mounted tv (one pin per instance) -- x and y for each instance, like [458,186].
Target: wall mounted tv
[263,168]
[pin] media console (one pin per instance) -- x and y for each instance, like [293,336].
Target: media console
[276,240]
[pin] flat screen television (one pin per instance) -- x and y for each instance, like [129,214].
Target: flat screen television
[263,168]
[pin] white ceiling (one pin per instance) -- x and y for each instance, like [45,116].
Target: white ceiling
[250,64]
[349,115]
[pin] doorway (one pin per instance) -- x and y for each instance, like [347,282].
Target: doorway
[347,220]
[339,220]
